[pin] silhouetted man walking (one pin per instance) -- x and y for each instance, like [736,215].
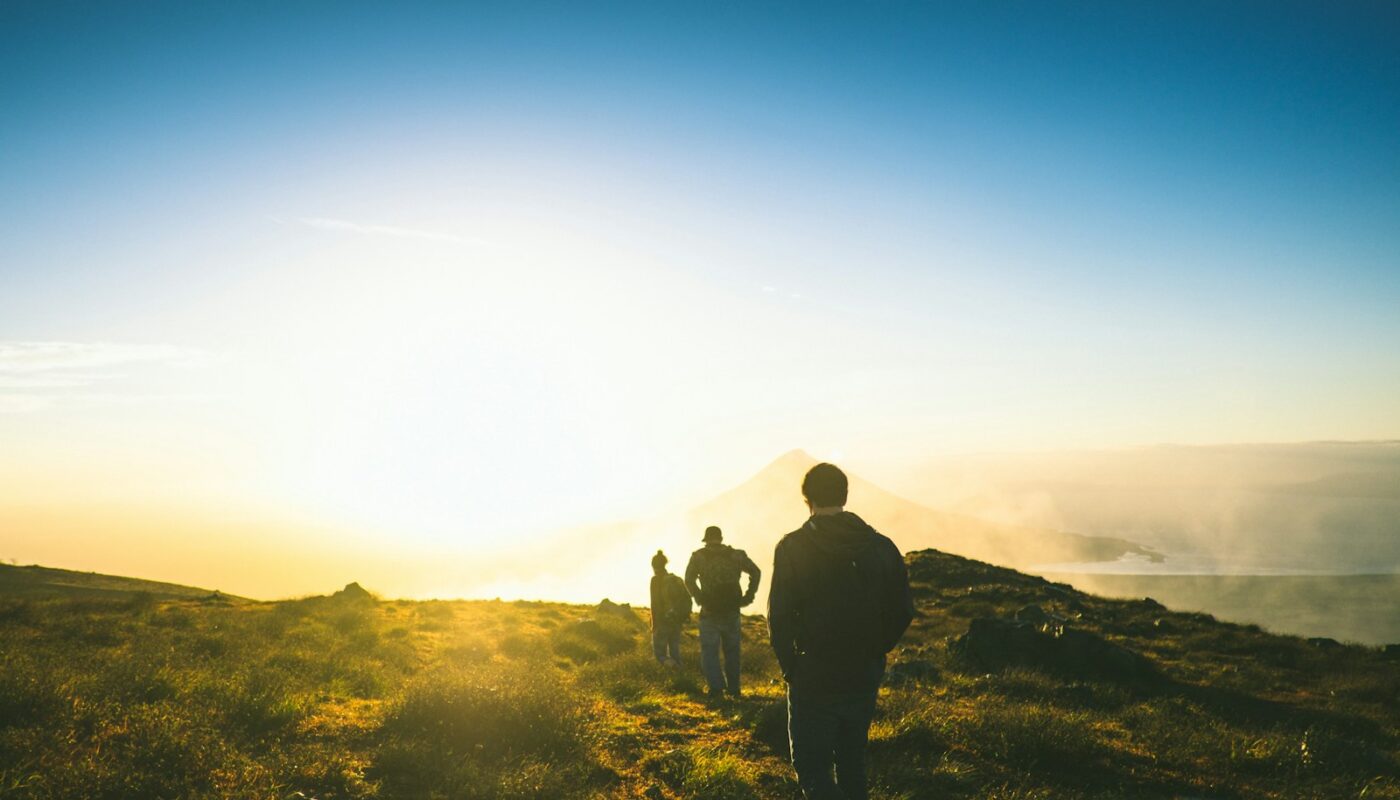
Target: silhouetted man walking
[838,603]
[712,576]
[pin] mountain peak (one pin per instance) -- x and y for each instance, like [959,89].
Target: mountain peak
[793,461]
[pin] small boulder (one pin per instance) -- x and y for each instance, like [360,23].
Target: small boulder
[1324,643]
[1033,614]
[622,611]
[353,593]
[994,643]
[999,643]
[1040,618]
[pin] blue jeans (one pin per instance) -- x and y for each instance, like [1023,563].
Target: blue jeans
[666,644]
[826,731]
[716,632]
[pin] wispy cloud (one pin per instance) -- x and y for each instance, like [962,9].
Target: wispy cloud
[328,224]
[20,404]
[35,374]
[776,292]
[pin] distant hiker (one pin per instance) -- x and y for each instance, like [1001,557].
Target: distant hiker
[712,576]
[670,610]
[838,603]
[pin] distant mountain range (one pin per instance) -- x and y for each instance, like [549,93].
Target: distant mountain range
[610,560]
[769,505]
[1305,506]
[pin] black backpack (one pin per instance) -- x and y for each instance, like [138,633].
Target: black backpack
[718,573]
[678,604]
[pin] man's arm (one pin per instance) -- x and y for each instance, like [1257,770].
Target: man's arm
[900,600]
[657,599]
[782,614]
[750,569]
[692,572]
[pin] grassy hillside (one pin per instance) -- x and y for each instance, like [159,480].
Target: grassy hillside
[139,696]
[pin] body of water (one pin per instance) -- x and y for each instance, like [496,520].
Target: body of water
[1362,608]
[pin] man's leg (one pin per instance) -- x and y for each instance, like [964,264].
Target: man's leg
[853,715]
[658,644]
[709,654]
[812,737]
[673,645]
[730,640]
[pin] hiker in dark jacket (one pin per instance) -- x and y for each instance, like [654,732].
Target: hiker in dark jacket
[838,603]
[670,610]
[712,576]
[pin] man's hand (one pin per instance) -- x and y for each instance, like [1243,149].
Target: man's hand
[746,600]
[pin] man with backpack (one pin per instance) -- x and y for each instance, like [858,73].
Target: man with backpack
[670,610]
[839,603]
[712,576]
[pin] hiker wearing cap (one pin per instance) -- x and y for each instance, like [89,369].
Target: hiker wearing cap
[712,576]
[670,610]
[839,602]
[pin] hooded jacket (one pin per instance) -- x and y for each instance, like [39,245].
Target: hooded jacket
[807,605]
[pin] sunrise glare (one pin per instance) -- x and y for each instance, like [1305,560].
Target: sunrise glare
[487,301]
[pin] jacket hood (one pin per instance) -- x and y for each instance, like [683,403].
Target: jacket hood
[843,534]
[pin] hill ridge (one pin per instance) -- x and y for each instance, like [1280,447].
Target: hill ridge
[38,579]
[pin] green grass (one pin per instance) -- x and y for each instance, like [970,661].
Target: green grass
[143,694]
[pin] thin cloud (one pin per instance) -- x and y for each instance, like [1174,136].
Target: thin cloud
[27,358]
[35,374]
[21,404]
[328,224]
[775,291]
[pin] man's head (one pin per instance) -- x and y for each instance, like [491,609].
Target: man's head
[713,534]
[658,562]
[825,487]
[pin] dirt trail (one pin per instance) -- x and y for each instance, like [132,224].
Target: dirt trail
[671,745]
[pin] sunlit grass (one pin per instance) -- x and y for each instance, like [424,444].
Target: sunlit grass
[147,697]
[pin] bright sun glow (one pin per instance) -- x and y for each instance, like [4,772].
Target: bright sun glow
[398,286]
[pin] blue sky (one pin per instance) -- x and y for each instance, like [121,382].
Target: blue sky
[1260,136]
[669,235]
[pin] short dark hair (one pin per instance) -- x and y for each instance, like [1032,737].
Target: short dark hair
[825,486]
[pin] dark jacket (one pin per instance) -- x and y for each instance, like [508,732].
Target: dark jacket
[723,598]
[802,605]
[670,604]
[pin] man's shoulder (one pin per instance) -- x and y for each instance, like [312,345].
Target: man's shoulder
[890,553]
[888,544]
[790,540]
[883,540]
